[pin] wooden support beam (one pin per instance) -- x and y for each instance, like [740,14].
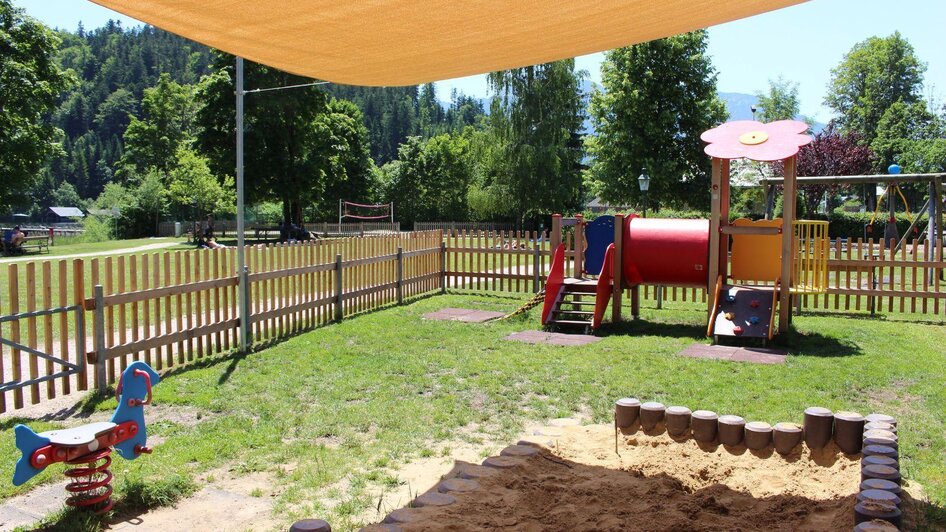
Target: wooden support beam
[749,230]
[617,288]
[713,263]
[788,235]
[723,218]
[555,238]
[857,179]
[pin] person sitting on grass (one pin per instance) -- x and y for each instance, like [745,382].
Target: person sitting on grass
[209,243]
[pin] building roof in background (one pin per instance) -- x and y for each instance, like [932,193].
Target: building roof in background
[67,212]
[405,42]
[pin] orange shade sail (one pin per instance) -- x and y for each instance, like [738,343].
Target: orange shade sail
[405,42]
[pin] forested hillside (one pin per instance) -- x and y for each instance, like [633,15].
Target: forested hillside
[112,66]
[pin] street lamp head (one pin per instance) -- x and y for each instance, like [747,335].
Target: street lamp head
[644,180]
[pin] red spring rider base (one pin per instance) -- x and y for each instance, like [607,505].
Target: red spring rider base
[88,448]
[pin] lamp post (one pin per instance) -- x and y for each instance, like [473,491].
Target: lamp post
[644,182]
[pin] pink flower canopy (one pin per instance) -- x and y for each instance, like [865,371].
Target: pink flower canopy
[754,140]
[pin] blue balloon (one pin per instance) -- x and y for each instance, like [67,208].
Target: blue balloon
[893,169]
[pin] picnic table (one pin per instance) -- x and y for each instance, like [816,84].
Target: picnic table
[37,242]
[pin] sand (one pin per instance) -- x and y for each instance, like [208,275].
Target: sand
[577,482]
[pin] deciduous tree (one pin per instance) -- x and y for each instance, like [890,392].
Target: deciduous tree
[30,85]
[875,74]
[657,98]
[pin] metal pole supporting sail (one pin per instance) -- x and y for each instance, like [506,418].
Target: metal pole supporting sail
[242,271]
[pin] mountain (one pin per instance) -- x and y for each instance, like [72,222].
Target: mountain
[739,106]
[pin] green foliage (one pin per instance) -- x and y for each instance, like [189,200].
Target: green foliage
[167,125]
[851,224]
[908,135]
[874,75]
[342,163]
[66,196]
[96,229]
[658,98]
[30,85]
[430,179]
[282,161]
[781,101]
[535,124]
[192,184]
[114,67]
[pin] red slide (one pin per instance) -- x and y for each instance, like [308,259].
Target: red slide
[554,282]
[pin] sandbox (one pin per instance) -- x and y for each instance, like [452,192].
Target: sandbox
[576,478]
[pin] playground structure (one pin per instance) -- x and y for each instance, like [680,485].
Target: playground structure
[89,446]
[751,269]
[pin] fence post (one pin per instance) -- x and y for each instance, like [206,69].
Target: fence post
[555,239]
[339,292]
[536,266]
[101,380]
[400,275]
[660,296]
[443,266]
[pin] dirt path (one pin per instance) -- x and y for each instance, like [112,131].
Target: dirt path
[122,251]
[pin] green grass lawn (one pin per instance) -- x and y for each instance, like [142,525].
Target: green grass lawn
[348,403]
[63,246]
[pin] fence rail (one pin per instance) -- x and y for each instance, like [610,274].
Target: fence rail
[171,308]
[451,228]
[224,228]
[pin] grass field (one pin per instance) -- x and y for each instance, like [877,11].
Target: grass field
[346,404]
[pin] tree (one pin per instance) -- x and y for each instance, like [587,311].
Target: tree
[874,75]
[279,133]
[831,153]
[66,196]
[658,98]
[151,196]
[30,85]
[167,125]
[341,160]
[781,101]
[899,128]
[193,185]
[431,179]
[536,120]
[114,115]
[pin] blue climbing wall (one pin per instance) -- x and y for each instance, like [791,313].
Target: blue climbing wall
[599,235]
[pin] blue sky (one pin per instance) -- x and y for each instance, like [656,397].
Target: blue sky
[802,43]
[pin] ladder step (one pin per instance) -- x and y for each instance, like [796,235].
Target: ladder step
[571,322]
[579,303]
[574,312]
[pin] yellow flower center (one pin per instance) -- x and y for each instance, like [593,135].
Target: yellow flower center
[753,137]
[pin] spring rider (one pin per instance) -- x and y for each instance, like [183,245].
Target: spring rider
[88,447]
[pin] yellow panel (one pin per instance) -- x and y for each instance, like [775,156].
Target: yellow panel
[756,257]
[811,248]
[405,42]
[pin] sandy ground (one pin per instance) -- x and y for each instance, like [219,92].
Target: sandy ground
[578,482]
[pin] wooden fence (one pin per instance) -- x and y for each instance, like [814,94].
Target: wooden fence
[451,228]
[171,308]
[227,228]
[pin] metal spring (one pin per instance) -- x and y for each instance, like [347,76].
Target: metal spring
[91,486]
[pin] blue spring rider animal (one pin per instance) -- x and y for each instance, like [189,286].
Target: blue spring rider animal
[89,446]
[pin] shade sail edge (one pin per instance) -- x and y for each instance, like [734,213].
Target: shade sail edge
[406,42]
